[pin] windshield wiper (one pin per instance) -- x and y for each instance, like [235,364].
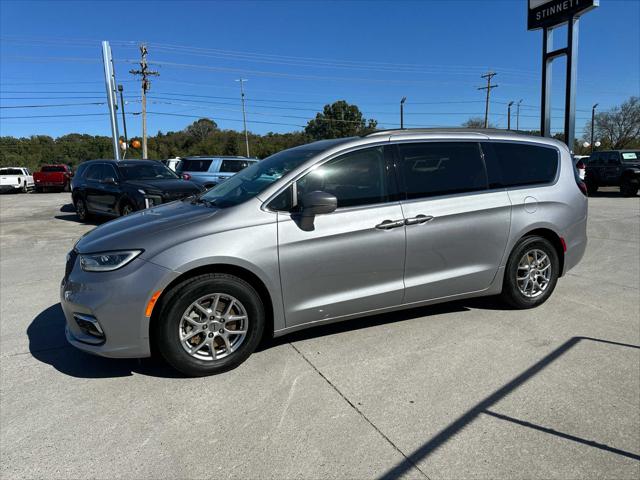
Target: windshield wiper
[204,201]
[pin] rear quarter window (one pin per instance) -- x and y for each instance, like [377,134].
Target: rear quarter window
[518,164]
[233,166]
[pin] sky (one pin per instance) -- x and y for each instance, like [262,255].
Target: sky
[298,56]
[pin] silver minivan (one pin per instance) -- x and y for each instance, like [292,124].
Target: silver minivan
[210,171]
[324,232]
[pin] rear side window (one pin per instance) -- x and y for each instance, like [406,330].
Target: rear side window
[440,168]
[195,165]
[518,164]
[233,166]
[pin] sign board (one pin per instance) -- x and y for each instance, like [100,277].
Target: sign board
[548,13]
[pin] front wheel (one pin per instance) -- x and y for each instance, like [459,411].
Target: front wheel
[25,189]
[531,273]
[126,209]
[66,187]
[209,324]
[627,188]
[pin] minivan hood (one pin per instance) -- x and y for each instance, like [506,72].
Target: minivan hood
[140,229]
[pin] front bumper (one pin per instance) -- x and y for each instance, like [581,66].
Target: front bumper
[118,301]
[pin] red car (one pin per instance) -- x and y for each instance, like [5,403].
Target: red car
[53,176]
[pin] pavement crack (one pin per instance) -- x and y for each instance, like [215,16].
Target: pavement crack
[359,412]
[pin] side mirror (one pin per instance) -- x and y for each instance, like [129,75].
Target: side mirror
[109,181]
[318,203]
[315,203]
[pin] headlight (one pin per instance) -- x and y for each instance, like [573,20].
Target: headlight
[107,261]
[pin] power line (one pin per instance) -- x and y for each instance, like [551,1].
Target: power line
[54,105]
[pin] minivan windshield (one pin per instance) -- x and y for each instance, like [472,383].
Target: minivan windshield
[257,177]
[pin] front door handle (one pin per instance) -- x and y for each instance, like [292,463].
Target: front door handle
[389,224]
[418,219]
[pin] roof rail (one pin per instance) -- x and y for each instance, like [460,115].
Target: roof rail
[480,131]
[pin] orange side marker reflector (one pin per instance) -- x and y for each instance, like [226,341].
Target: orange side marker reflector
[152,303]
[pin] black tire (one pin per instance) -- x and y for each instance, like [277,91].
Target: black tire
[38,189]
[66,187]
[511,293]
[592,186]
[126,208]
[81,209]
[176,302]
[25,189]
[627,188]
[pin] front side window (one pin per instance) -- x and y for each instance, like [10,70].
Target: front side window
[356,178]
[520,164]
[441,168]
[95,172]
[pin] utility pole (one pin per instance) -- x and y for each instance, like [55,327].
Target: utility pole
[124,121]
[110,85]
[593,121]
[244,113]
[509,115]
[488,88]
[404,99]
[518,115]
[145,73]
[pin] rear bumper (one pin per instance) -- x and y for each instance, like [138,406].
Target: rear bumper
[9,188]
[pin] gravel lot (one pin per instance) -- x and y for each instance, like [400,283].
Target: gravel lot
[463,390]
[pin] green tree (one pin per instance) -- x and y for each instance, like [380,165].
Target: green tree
[476,122]
[617,128]
[231,146]
[338,120]
[201,129]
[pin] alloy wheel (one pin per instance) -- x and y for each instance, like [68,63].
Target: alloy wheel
[534,273]
[213,327]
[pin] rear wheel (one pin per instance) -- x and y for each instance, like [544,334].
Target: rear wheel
[25,189]
[531,274]
[592,186]
[627,188]
[209,324]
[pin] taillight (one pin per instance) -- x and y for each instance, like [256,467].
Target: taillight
[582,168]
[583,187]
[186,176]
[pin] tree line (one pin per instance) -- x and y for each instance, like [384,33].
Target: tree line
[616,129]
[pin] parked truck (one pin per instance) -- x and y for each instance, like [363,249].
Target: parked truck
[53,176]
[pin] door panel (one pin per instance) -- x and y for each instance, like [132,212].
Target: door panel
[344,266]
[459,250]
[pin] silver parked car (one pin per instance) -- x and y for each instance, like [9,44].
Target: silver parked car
[329,231]
[210,171]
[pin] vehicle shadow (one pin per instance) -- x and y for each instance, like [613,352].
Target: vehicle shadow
[71,216]
[47,343]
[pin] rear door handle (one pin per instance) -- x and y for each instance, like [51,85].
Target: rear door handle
[418,219]
[389,224]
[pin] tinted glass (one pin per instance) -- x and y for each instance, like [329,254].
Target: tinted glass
[145,171]
[440,168]
[95,172]
[195,165]
[11,171]
[518,164]
[612,158]
[233,166]
[53,168]
[356,178]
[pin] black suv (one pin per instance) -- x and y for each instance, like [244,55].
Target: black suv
[619,168]
[115,188]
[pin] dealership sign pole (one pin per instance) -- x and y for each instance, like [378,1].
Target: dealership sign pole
[549,14]
[112,99]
